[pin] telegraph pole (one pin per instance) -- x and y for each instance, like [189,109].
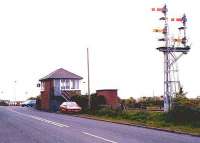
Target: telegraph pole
[88,73]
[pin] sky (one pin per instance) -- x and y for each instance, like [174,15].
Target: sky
[40,36]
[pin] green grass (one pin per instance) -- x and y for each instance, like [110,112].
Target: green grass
[150,119]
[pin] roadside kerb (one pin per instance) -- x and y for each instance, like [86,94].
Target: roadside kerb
[137,125]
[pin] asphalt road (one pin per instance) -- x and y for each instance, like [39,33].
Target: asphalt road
[26,125]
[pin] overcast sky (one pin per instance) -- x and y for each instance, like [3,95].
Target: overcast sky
[40,36]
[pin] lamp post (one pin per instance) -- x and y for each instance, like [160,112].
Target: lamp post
[15,82]
[88,73]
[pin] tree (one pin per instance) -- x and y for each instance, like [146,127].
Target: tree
[32,98]
[181,99]
[130,103]
[181,93]
[150,101]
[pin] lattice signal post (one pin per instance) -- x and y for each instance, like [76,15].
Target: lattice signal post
[173,50]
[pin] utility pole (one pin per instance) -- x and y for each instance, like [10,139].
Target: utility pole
[88,73]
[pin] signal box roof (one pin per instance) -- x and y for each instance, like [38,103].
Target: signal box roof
[61,74]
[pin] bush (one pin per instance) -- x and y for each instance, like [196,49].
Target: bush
[140,116]
[183,114]
[106,112]
[81,100]
[134,116]
[96,101]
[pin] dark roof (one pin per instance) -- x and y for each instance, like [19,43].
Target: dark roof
[61,74]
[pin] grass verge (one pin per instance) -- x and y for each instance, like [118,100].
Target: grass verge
[149,119]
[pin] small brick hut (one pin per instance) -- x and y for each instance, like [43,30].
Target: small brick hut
[111,97]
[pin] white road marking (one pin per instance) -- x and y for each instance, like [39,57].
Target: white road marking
[99,137]
[42,119]
[48,121]
[61,125]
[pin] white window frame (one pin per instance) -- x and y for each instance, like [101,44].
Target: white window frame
[42,86]
[69,84]
[62,84]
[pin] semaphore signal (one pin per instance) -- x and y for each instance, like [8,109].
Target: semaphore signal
[173,50]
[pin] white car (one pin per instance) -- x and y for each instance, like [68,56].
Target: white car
[70,107]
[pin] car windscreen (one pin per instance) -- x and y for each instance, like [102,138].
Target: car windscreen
[71,104]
